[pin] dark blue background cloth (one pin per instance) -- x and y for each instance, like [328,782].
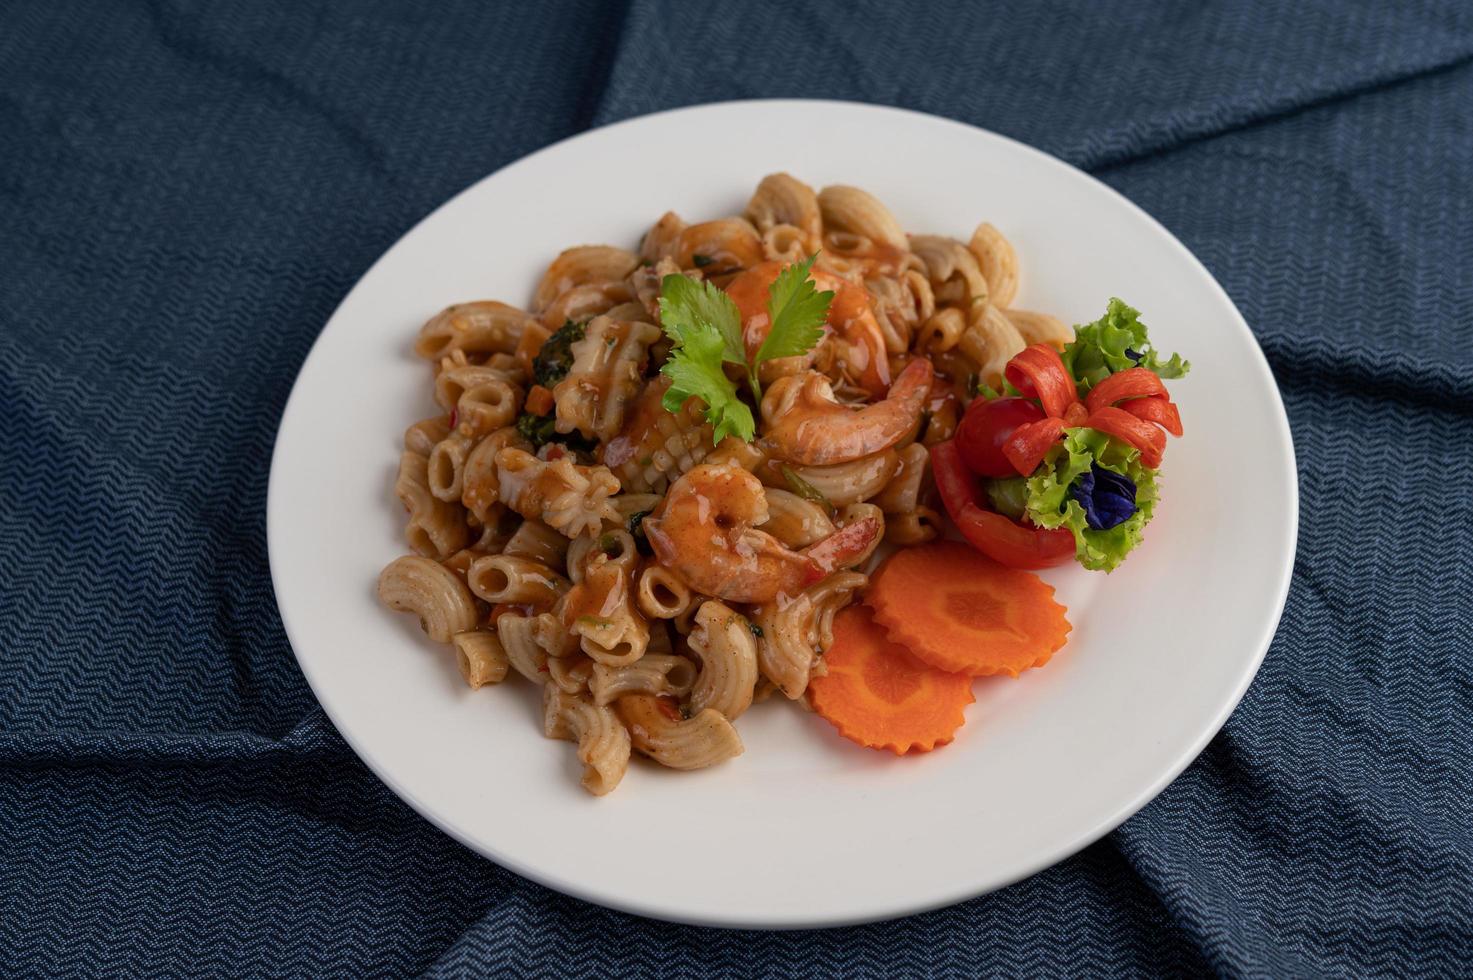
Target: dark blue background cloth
[187,191]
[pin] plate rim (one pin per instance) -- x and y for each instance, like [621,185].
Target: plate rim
[654,910]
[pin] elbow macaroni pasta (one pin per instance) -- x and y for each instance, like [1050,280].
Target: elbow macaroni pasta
[475,329]
[432,592]
[701,740]
[436,528]
[723,640]
[603,741]
[517,581]
[480,656]
[535,544]
[654,673]
[796,632]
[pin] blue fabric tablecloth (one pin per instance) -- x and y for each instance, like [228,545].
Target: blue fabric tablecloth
[187,191]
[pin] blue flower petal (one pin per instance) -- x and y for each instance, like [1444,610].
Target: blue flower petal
[1108,498]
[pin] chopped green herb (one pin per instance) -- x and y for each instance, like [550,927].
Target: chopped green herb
[986,391]
[806,490]
[556,356]
[536,429]
[701,261]
[756,630]
[539,430]
[636,530]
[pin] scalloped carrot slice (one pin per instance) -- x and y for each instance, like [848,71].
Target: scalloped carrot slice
[960,611]
[877,694]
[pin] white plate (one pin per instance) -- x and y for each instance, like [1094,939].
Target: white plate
[804,829]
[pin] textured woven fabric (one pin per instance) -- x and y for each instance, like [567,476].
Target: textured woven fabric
[187,191]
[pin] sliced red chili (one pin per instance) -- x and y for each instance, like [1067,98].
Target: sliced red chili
[995,535]
[1029,443]
[1136,382]
[845,545]
[1149,439]
[1157,408]
[956,484]
[1012,544]
[1039,372]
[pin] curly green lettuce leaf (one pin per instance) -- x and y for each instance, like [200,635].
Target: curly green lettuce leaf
[1051,506]
[1008,496]
[1116,341]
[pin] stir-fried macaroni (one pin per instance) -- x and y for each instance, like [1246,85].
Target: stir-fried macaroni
[581,534]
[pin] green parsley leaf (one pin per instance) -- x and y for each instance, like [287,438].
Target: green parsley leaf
[694,369]
[705,326]
[687,306]
[797,311]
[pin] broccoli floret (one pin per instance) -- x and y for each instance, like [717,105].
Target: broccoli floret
[556,356]
[536,429]
[539,430]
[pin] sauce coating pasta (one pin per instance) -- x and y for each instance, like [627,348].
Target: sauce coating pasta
[578,526]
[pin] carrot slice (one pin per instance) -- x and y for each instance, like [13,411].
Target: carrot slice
[1136,382]
[1030,442]
[1158,409]
[1124,426]
[1039,372]
[960,611]
[877,694]
[539,400]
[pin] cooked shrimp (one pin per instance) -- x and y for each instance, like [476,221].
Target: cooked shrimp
[805,424]
[851,326]
[705,532]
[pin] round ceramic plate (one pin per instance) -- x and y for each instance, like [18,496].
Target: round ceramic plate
[805,828]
